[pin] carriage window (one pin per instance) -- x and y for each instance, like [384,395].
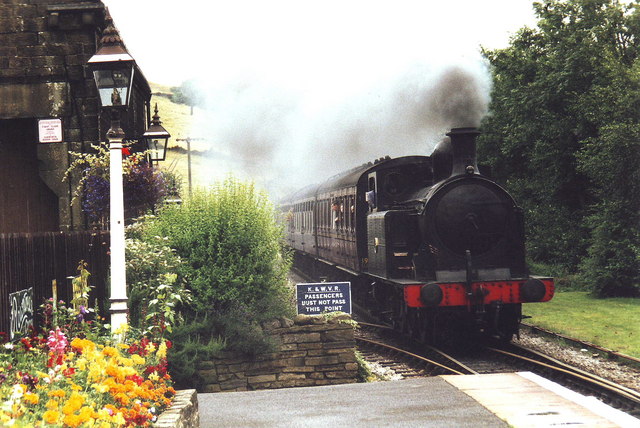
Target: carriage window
[352,212]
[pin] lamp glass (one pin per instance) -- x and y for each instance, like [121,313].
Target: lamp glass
[157,148]
[114,85]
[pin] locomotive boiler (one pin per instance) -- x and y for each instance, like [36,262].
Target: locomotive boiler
[431,244]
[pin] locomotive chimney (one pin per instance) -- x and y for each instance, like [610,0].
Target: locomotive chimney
[463,144]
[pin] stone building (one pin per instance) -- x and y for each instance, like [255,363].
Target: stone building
[44,49]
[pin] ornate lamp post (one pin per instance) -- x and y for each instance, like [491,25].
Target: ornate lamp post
[157,138]
[113,70]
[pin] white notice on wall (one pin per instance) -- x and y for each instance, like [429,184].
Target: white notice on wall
[50,130]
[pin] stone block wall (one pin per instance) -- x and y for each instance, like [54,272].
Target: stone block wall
[44,47]
[183,412]
[312,351]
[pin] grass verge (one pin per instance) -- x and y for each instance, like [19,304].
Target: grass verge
[611,323]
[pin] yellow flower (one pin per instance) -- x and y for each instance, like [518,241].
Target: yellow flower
[137,359]
[74,403]
[51,416]
[81,364]
[87,414]
[57,393]
[100,387]
[82,344]
[51,404]
[110,351]
[122,330]
[119,419]
[31,398]
[162,350]
[72,420]
[150,348]
[154,376]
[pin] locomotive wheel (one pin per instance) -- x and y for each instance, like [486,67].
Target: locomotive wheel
[412,323]
[423,326]
[399,316]
[417,326]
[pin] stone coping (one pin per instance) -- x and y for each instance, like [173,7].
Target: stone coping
[182,413]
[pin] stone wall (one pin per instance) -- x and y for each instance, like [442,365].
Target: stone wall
[313,350]
[183,412]
[44,47]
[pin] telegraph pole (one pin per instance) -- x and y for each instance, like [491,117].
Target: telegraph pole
[189,140]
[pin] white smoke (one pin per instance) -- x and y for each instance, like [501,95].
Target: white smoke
[283,143]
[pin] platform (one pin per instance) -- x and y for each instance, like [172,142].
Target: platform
[496,400]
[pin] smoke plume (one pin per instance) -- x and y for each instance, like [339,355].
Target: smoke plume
[271,135]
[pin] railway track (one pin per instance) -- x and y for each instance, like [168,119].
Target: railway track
[372,339]
[608,353]
[506,358]
[573,378]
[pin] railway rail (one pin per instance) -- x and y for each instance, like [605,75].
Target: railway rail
[429,363]
[513,357]
[584,382]
[610,354]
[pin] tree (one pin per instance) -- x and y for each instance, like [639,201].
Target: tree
[561,91]
[189,93]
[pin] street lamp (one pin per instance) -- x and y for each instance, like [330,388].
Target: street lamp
[113,71]
[157,138]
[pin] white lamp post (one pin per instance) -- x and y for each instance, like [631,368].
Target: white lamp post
[113,70]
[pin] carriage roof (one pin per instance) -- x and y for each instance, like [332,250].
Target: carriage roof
[348,178]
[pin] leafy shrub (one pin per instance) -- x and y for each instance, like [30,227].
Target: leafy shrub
[564,278]
[156,291]
[235,265]
[612,267]
[232,247]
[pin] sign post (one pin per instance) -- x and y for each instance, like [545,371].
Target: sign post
[316,298]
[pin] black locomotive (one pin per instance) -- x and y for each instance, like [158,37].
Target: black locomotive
[430,244]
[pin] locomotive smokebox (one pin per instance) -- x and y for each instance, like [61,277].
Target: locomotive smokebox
[463,145]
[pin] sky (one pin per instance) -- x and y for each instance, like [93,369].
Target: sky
[298,90]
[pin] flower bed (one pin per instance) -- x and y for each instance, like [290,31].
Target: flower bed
[49,380]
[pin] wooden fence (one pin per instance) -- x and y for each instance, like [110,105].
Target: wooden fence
[35,259]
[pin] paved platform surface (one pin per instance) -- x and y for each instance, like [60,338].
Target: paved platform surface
[522,400]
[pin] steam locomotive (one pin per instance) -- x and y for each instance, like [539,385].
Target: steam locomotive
[431,244]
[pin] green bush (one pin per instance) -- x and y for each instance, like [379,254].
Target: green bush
[235,264]
[232,249]
[156,291]
[563,277]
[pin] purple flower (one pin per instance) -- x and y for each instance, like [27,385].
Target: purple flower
[81,313]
